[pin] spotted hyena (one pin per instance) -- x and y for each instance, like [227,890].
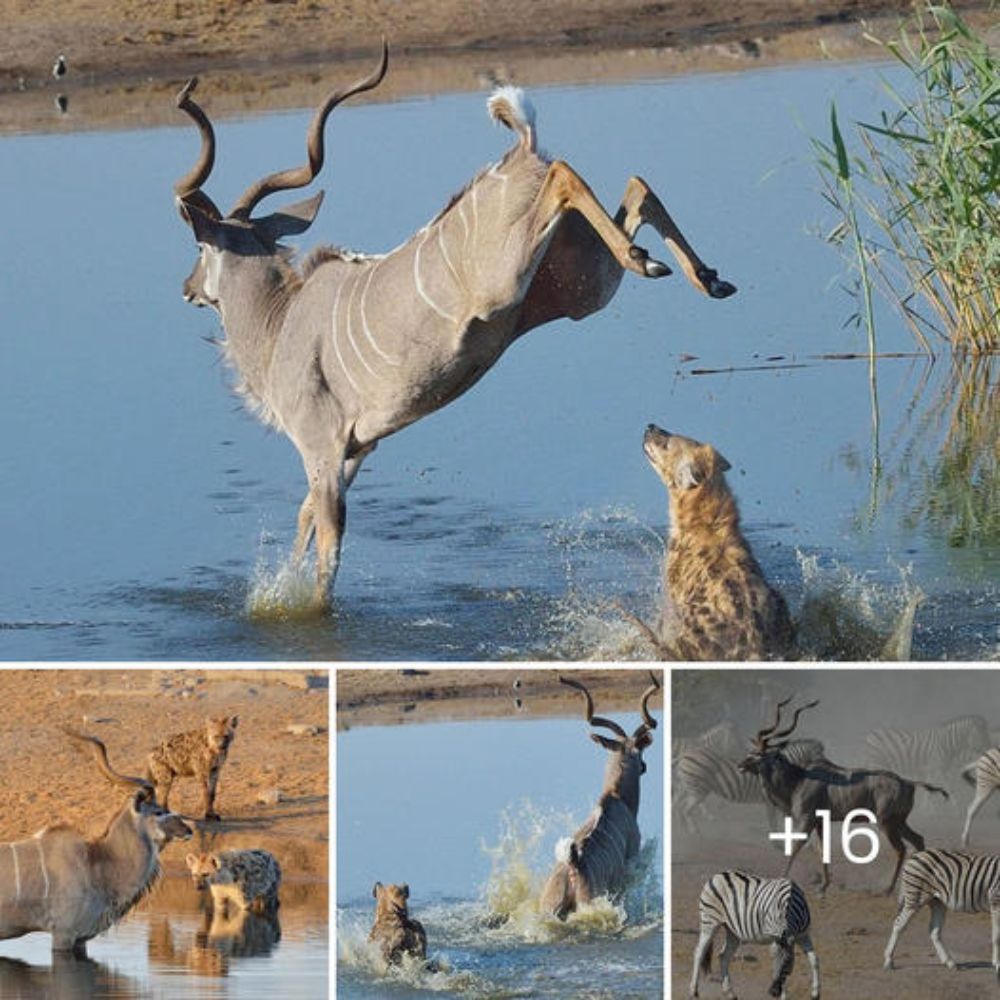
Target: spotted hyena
[394,932]
[197,753]
[718,606]
[247,879]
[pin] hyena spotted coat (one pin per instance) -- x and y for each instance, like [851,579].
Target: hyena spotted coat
[718,605]
[197,753]
[248,879]
[394,931]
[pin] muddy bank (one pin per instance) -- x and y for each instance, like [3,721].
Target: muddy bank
[125,60]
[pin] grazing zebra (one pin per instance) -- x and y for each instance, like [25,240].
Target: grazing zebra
[759,910]
[948,880]
[699,772]
[929,753]
[985,775]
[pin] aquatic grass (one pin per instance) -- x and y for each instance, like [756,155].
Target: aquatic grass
[926,180]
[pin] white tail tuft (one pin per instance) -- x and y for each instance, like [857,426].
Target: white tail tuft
[513,108]
[563,847]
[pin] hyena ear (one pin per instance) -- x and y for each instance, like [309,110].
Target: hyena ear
[720,463]
[214,861]
[235,720]
[406,890]
[191,860]
[375,890]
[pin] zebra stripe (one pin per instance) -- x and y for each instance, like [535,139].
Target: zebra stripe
[756,910]
[931,752]
[984,773]
[947,880]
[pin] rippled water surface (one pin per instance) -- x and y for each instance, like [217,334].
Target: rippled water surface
[169,950]
[144,514]
[468,814]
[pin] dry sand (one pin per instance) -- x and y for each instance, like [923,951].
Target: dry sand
[47,779]
[126,58]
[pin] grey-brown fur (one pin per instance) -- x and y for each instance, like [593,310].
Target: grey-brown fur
[353,348]
[594,862]
[249,879]
[394,931]
[717,603]
[196,753]
[75,887]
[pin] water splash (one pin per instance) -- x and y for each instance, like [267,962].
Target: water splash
[284,593]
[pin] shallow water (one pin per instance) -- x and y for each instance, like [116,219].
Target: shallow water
[472,831]
[169,950]
[145,515]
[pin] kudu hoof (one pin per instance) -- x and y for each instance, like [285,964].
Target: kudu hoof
[651,268]
[714,286]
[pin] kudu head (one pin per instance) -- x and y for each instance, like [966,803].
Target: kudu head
[145,813]
[769,741]
[236,245]
[625,764]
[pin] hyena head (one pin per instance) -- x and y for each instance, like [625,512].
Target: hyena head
[682,463]
[220,730]
[204,868]
[391,899]
[160,824]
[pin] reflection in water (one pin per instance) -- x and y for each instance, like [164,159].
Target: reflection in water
[67,978]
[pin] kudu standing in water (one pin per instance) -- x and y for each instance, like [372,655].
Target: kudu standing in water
[350,348]
[74,888]
[594,861]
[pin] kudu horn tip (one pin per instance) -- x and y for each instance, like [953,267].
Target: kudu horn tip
[186,91]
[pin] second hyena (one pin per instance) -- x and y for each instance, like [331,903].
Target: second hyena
[248,879]
[197,753]
[718,604]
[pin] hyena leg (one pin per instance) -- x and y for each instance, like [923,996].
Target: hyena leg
[210,785]
[565,190]
[640,205]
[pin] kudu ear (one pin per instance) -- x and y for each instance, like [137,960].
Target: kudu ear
[290,221]
[606,742]
[204,226]
[645,740]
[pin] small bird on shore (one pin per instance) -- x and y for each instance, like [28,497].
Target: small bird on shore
[59,67]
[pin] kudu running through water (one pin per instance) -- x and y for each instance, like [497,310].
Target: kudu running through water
[74,888]
[594,861]
[350,348]
[800,790]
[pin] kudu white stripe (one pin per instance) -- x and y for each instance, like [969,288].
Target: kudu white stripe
[524,243]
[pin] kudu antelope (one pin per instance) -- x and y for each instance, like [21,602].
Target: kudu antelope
[594,861]
[799,790]
[351,347]
[75,888]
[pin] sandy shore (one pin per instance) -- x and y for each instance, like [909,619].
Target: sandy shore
[374,697]
[126,58]
[46,779]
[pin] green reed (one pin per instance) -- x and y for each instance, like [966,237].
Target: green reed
[926,180]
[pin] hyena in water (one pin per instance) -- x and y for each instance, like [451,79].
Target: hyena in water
[394,931]
[248,879]
[197,753]
[718,604]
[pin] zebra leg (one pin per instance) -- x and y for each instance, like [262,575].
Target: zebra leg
[702,957]
[977,803]
[732,943]
[904,916]
[938,911]
[805,942]
[782,962]
[994,898]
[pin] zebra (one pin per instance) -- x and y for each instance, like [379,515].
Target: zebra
[929,753]
[759,910]
[984,773]
[724,738]
[700,772]
[948,880]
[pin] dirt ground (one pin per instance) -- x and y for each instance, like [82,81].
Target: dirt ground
[126,58]
[850,927]
[376,697]
[47,779]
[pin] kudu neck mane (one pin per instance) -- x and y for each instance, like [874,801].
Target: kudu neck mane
[621,778]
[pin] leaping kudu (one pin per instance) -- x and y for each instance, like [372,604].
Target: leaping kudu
[594,862]
[75,888]
[350,348]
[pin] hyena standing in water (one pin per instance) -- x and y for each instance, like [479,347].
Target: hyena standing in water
[718,606]
[249,879]
[197,753]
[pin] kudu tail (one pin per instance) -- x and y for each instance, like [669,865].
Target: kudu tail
[512,107]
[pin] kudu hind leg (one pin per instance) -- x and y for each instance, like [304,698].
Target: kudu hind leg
[329,490]
[641,205]
[564,189]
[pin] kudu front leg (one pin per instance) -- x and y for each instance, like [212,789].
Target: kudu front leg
[328,490]
[640,205]
[564,190]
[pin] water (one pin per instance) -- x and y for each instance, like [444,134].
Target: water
[475,851]
[169,950]
[145,515]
